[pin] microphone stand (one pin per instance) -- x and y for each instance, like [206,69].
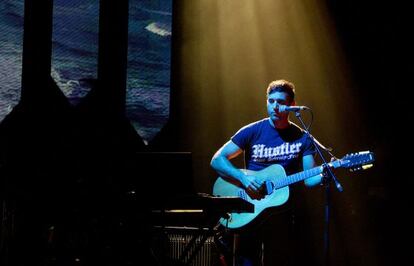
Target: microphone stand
[328,175]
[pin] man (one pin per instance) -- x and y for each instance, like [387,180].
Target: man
[269,141]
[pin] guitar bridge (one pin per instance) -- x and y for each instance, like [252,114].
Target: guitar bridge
[269,186]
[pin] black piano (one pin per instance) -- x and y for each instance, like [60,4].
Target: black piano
[164,182]
[198,210]
[188,222]
[161,184]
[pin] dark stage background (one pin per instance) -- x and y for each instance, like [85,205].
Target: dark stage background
[76,189]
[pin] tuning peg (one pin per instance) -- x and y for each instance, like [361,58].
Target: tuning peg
[355,169]
[367,166]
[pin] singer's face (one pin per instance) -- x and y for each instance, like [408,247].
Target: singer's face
[274,100]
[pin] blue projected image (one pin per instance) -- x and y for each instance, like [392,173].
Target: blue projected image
[149,55]
[75,55]
[74,61]
[11,42]
[75,46]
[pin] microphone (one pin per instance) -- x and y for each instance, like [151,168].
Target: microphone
[292,108]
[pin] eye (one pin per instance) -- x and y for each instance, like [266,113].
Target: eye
[271,101]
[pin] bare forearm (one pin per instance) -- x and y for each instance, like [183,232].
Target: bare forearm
[226,169]
[313,181]
[309,163]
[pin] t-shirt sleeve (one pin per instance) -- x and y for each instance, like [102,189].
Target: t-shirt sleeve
[309,147]
[242,137]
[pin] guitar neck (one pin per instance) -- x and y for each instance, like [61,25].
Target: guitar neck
[291,179]
[360,160]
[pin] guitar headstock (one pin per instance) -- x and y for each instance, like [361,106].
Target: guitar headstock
[358,161]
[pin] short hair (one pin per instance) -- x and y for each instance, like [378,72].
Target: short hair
[282,85]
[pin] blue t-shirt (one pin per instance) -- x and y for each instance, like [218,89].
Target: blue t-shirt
[265,145]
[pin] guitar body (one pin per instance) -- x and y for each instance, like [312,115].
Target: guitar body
[277,197]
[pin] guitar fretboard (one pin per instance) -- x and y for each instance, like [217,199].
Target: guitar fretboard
[288,180]
[291,179]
